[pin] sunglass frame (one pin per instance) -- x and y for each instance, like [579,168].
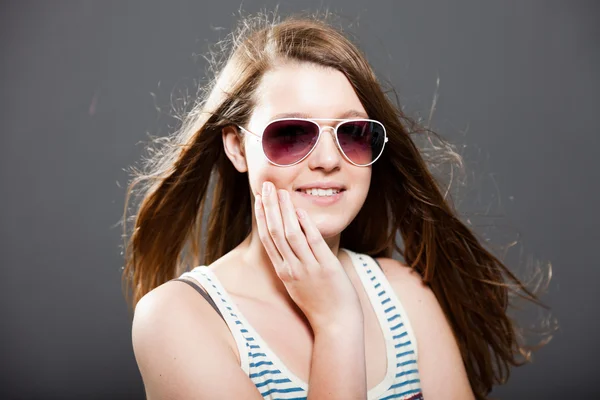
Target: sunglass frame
[321,129]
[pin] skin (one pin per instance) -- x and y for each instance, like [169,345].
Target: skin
[311,92]
[174,332]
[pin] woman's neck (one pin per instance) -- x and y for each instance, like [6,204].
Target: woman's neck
[252,274]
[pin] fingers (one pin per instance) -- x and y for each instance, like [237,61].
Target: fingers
[263,233]
[317,244]
[272,233]
[274,221]
[293,232]
[281,234]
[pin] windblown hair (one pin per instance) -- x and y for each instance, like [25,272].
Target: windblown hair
[190,180]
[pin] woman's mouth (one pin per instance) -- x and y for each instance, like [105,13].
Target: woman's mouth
[321,196]
[320,192]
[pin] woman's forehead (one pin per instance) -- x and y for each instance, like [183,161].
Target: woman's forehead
[306,91]
[346,114]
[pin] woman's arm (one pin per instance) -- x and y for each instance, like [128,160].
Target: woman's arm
[338,369]
[181,356]
[316,281]
[441,368]
[179,352]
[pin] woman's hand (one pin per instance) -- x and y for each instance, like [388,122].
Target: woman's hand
[311,273]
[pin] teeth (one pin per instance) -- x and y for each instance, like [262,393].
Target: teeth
[321,192]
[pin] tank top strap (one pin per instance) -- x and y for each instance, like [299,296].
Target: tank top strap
[395,325]
[206,278]
[268,373]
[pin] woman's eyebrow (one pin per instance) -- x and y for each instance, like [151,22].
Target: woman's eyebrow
[347,114]
[353,113]
[290,115]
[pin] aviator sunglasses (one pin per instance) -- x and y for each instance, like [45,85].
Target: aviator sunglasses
[287,141]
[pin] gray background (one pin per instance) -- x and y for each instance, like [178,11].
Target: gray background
[82,83]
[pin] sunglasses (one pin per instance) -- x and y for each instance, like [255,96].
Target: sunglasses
[288,141]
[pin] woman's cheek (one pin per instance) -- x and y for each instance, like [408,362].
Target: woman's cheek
[257,172]
[261,170]
[263,174]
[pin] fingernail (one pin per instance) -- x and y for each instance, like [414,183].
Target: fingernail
[266,188]
[300,213]
[282,195]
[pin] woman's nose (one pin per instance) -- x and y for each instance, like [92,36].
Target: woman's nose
[326,154]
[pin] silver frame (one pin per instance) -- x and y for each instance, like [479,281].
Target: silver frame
[313,120]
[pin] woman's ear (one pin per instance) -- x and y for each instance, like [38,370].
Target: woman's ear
[234,148]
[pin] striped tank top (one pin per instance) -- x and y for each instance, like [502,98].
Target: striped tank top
[275,381]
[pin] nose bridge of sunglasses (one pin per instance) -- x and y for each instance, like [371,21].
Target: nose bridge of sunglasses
[330,129]
[333,145]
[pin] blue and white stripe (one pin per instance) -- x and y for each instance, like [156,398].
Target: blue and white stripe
[402,380]
[272,378]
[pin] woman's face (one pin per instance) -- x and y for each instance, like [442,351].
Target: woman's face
[310,91]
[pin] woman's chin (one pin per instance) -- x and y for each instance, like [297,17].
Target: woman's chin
[329,229]
[330,224]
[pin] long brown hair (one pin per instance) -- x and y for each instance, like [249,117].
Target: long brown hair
[189,180]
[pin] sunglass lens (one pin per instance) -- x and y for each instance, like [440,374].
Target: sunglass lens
[288,141]
[361,141]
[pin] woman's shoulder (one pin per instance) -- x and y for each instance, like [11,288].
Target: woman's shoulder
[176,309]
[177,337]
[416,297]
[171,300]
[437,348]
[396,270]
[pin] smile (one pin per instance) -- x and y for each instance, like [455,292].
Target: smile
[322,197]
[320,192]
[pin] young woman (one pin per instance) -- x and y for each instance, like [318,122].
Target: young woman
[306,173]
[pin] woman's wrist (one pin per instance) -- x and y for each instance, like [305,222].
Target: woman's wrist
[338,366]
